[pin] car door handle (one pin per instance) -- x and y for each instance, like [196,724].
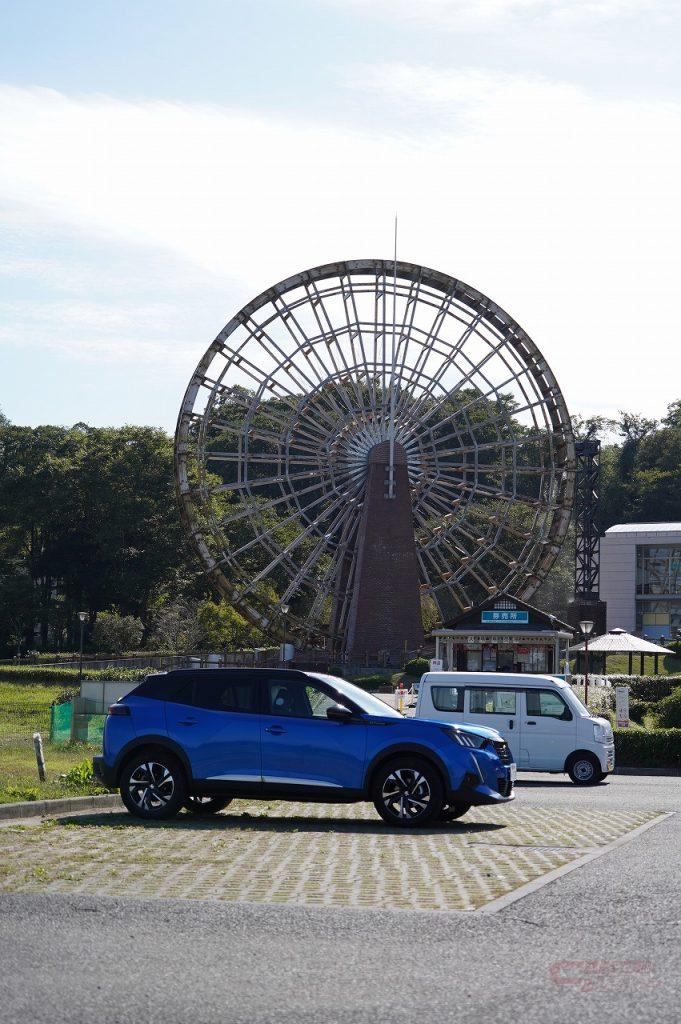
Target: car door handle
[530,723]
[187,721]
[275,730]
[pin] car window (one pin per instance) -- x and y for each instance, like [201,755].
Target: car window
[447,698]
[492,702]
[295,698]
[221,694]
[547,704]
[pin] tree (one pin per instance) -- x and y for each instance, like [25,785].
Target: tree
[114,633]
[223,627]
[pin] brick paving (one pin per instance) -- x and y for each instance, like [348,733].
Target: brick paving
[339,855]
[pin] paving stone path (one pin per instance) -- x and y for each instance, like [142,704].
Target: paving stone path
[340,855]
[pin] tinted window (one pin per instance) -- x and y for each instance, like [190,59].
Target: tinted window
[547,704]
[224,694]
[294,698]
[448,698]
[493,702]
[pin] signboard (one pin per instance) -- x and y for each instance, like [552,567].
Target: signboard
[622,706]
[505,615]
[436,664]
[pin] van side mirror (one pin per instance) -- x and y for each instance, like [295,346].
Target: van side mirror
[337,713]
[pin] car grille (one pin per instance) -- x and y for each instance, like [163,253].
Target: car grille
[505,787]
[503,750]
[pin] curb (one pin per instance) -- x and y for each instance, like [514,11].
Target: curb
[68,805]
[648,771]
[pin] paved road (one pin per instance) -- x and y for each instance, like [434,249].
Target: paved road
[602,943]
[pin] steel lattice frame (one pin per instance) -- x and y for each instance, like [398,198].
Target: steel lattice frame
[281,412]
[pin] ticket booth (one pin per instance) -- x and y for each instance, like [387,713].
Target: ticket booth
[504,634]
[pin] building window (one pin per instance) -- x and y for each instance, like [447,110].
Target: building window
[658,570]
[658,619]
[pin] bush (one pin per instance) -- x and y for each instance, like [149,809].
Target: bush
[417,666]
[648,748]
[668,710]
[650,688]
[639,708]
[115,633]
[370,682]
[34,674]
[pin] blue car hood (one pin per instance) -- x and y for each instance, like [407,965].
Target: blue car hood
[479,730]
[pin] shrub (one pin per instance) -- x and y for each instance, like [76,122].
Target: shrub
[668,710]
[639,708]
[648,688]
[648,748]
[370,682]
[115,633]
[34,674]
[417,666]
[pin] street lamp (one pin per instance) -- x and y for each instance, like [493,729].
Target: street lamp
[586,628]
[285,608]
[82,616]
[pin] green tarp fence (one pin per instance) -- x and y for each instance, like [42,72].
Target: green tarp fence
[75,721]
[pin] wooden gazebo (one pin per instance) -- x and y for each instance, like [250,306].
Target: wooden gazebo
[618,641]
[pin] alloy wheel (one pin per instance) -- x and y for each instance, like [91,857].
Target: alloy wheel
[406,793]
[151,785]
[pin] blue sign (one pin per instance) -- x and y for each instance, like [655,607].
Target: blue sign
[506,617]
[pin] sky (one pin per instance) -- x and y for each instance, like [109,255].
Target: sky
[162,162]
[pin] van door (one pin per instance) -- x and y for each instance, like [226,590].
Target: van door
[548,729]
[497,707]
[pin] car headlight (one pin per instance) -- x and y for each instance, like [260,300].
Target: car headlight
[466,739]
[602,733]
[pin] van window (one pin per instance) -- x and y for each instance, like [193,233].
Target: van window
[447,698]
[547,704]
[493,702]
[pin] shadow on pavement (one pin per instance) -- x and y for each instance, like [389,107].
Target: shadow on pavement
[225,822]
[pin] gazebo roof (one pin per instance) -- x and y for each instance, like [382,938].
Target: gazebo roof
[618,641]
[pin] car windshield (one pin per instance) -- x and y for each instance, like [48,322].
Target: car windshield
[366,701]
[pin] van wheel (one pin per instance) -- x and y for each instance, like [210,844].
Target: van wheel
[453,811]
[585,770]
[408,792]
[153,785]
[201,805]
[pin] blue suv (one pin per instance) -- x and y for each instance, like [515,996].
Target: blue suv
[198,739]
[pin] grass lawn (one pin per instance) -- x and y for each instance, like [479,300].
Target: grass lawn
[25,709]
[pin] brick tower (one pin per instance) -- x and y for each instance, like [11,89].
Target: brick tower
[385,609]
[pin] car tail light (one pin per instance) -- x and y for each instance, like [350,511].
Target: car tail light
[118,709]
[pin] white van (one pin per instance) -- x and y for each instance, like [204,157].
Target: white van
[544,723]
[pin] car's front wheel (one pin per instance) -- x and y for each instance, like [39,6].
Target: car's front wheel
[408,792]
[153,785]
[585,770]
[206,804]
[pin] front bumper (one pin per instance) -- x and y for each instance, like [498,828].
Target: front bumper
[103,772]
[485,787]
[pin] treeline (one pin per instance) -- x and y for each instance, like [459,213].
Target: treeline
[89,522]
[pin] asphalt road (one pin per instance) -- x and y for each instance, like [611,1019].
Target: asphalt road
[602,943]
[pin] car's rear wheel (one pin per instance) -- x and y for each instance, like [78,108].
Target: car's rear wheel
[408,792]
[201,805]
[153,785]
[585,770]
[453,811]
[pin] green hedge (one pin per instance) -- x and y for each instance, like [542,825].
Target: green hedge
[642,748]
[42,676]
[417,666]
[370,682]
[648,688]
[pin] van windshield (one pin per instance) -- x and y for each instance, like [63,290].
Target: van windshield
[366,701]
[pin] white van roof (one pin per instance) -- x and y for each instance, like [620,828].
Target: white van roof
[492,679]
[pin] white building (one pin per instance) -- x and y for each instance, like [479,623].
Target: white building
[641,578]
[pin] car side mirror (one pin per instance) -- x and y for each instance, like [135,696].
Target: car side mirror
[337,713]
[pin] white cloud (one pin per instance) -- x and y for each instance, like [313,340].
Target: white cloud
[565,209]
